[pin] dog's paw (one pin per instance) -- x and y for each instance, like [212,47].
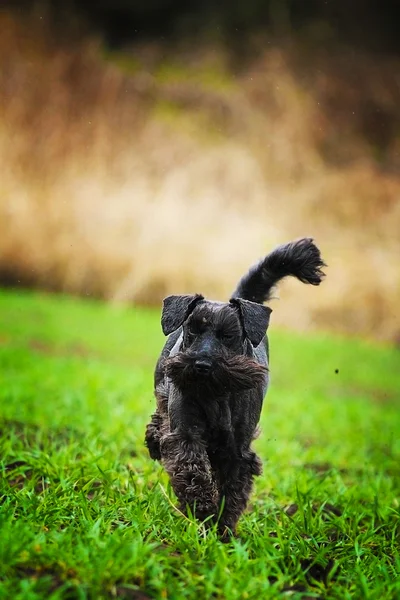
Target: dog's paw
[226,535]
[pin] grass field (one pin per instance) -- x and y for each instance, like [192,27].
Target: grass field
[84,512]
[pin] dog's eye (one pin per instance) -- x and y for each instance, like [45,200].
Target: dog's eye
[225,336]
[192,329]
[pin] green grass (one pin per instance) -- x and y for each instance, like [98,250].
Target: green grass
[84,512]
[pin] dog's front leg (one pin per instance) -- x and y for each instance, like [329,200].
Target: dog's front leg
[236,485]
[184,456]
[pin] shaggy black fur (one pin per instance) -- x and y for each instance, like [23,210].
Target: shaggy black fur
[210,382]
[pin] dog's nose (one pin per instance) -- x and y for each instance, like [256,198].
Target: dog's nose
[202,365]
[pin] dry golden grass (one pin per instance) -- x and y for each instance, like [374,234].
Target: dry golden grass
[172,176]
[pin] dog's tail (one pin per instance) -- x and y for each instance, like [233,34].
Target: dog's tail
[301,259]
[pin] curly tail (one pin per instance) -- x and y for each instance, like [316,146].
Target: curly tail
[301,259]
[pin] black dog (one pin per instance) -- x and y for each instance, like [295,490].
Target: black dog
[210,382]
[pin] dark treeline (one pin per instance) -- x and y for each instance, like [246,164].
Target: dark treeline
[369,24]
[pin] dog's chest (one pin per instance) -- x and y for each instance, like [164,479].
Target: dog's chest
[220,438]
[217,415]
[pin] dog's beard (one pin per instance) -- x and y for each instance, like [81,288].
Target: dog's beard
[228,374]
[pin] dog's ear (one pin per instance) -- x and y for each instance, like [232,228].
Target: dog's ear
[175,311]
[254,317]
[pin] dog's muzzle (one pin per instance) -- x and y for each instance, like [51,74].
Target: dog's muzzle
[221,375]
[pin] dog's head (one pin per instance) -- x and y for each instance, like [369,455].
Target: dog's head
[214,342]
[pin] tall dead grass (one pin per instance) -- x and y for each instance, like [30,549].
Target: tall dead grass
[175,176]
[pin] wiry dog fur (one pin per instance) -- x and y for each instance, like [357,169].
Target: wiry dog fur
[210,382]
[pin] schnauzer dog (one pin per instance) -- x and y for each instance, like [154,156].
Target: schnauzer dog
[210,382]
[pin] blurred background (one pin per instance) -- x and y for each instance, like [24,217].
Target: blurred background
[150,147]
